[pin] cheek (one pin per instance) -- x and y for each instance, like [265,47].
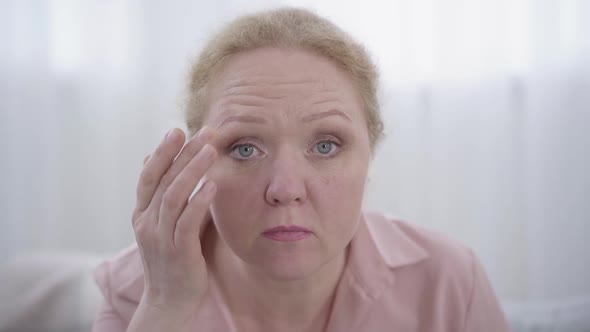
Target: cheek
[337,197]
[238,198]
[336,191]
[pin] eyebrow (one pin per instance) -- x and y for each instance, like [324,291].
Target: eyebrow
[317,116]
[261,120]
[243,118]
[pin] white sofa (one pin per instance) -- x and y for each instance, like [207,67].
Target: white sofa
[56,293]
[48,293]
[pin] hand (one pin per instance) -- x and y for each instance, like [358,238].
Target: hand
[168,226]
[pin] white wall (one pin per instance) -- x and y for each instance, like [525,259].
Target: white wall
[486,106]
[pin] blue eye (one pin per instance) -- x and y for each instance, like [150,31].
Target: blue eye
[243,151]
[325,147]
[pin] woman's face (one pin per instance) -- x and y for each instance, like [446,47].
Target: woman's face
[293,150]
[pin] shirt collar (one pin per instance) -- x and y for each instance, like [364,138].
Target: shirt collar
[394,246]
[378,248]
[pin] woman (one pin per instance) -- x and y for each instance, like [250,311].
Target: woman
[283,121]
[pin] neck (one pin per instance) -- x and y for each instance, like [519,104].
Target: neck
[257,301]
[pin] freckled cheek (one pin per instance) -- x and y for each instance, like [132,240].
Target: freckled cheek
[338,199]
[341,191]
[345,180]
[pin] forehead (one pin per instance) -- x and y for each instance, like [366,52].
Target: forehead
[281,64]
[293,78]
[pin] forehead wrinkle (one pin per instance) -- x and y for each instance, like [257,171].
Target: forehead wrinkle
[255,116]
[243,100]
[260,80]
[289,98]
[239,108]
[326,97]
[273,87]
[244,96]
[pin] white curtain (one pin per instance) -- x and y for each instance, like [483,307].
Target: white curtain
[486,105]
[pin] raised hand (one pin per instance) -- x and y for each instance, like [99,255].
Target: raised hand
[167,225]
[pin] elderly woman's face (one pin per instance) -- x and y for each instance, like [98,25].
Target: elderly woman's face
[293,150]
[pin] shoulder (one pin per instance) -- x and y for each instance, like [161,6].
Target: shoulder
[436,273]
[435,256]
[120,280]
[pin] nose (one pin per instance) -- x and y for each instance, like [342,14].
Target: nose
[287,184]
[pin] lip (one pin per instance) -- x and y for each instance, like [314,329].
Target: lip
[287,233]
[291,228]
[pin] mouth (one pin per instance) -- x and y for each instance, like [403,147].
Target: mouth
[287,233]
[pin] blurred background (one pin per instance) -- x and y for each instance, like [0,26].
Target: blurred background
[486,105]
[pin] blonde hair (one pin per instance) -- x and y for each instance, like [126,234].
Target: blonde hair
[285,28]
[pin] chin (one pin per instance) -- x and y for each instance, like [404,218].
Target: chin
[286,267]
[284,273]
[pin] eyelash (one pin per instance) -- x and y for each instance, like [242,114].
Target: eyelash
[233,149]
[334,152]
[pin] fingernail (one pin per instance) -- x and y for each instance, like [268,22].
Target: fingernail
[172,135]
[205,134]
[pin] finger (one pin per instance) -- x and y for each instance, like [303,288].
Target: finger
[146,159]
[188,226]
[156,167]
[188,152]
[176,197]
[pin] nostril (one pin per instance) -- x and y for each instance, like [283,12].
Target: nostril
[285,192]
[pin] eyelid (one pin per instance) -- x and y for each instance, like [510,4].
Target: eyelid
[331,139]
[246,141]
[325,137]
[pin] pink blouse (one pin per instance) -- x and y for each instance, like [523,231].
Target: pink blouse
[399,277]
